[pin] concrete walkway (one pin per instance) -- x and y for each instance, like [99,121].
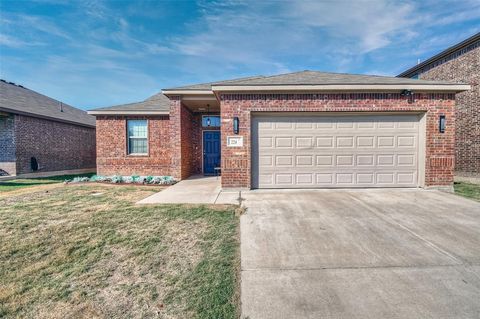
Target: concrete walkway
[360,254]
[194,190]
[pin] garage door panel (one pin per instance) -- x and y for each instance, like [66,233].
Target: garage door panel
[284,161]
[334,151]
[344,160]
[304,142]
[366,141]
[304,160]
[385,160]
[367,178]
[324,179]
[324,160]
[325,141]
[345,141]
[406,160]
[386,141]
[305,179]
[365,160]
[285,179]
[406,178]
[406,141]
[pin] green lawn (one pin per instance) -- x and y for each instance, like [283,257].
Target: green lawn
[88,252]
[468,190]
[15,184]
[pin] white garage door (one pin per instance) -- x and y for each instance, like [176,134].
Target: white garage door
[335,151]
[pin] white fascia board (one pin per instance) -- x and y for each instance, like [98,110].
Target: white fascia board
[187,92]
[132,112]
[344,87]
[199,98]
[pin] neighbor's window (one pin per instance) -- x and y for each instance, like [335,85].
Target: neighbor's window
[211,121]
[137,133]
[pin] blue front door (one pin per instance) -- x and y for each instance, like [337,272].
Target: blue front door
[211,151]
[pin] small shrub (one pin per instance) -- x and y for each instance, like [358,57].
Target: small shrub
[134,179]
[98,178]
[117,179]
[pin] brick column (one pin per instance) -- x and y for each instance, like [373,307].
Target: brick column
[235,160]
[181,139]
[175,136]
[440,148]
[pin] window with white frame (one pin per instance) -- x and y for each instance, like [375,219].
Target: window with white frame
[137,135]
[211,121]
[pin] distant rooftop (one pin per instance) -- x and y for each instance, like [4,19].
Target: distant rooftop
[444,56]
[20,100]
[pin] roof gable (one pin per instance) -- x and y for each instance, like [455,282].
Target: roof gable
[156,104]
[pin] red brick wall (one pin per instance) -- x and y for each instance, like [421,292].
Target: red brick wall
[464,69]
[440,149]
[175,145]
[185,142]
[112,157]
[187,137]
[56,146]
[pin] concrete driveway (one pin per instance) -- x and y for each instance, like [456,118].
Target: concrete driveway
[360,254]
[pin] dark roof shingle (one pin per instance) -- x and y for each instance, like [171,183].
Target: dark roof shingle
[20,100]
[308,77]
[208,86]
[157,102]
[325,78]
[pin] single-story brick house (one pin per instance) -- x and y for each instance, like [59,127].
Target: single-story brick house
[459,63]
[39,134]
[299,130]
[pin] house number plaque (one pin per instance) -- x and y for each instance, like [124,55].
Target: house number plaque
[234,141]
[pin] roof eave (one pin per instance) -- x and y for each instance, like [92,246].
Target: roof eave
[343,88]
[50,118]
[186,92]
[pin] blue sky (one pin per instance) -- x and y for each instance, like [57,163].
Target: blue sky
[96,53]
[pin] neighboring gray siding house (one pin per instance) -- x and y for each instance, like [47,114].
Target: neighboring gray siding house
[40,134]
[459,63]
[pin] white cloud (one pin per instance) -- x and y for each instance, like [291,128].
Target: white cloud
[13,42]
[259,35]
[372,23]
[43,25]
[267,35]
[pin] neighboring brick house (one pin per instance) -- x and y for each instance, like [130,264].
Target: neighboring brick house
[459,63]
[40,134]
[299,130]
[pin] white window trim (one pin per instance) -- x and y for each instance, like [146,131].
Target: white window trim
[140,138]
